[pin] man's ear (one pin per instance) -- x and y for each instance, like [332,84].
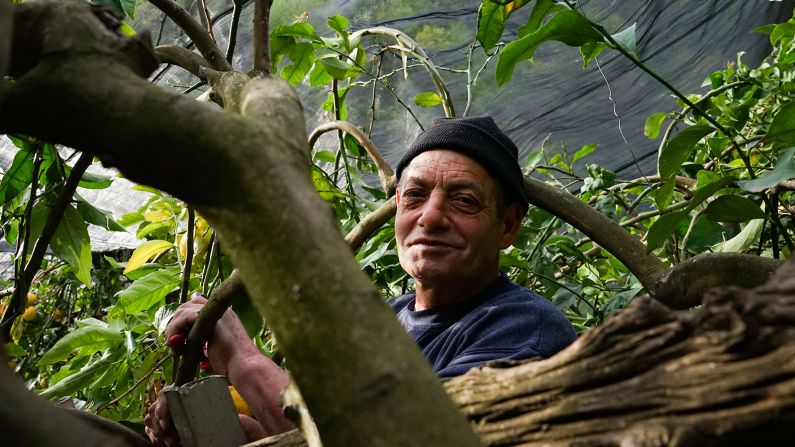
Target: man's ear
[397,195]
[512,221]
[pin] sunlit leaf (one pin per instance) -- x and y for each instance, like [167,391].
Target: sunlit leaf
[744,239]
[302,56]
[71,243]
[145,252]
[662,228]
[541,10]
[491,24]
[337,68]
[158,215]
[731,208]
[145,293]
[319,76]
[784,170]
[18,176]
[427,99]
[653,124]
[568,26]
[679,148]
[89,339]
[583,151]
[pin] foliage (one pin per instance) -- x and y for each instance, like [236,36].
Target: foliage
[723,185]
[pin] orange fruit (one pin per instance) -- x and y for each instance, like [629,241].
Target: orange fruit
[32,298]
[57,314]
[240,405]
[30,313]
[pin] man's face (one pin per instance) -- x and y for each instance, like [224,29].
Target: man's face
[447,227]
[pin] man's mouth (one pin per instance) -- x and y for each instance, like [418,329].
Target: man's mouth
[430,243]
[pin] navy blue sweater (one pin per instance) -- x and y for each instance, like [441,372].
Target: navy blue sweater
[503,322]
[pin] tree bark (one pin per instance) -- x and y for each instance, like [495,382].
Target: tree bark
[363,378]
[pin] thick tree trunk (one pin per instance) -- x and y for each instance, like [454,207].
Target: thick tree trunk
[722,374]
[83,85]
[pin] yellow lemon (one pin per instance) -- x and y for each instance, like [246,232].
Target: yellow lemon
[32,298]
[30,313]
[183,246]
[240,405]
[57,314]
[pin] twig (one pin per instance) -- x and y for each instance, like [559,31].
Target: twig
[237,8]
[262,57]
[370,223]
[413,48]
[380,57]
[195,32]
[385,174]
[204,18]
[182,57]
[183,291]
[22,282]
[134,385]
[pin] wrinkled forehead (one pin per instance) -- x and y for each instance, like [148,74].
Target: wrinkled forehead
[445,165]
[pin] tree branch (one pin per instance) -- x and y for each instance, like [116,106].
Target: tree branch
[237,8]
[262,52]
[196,33]
[182,57]
[603,231]
[385,174]
[370,224]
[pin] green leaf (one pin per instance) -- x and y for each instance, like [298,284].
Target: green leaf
[585,150]
[153,228]
[319,76]
[706,191]
[679,148]
[653,124]
[664,194]
[14,350]
[130,219]
[340,24]
[98,217]
[150,290]
[323,185]
[731,208]
[129,7]
[95,181]
[89,339]
[784,170]
[297,30]
[427,99]
[145,252]
[590,51]
[325,156]
[620,300]
[662,228]
[568,26]
[627,39]
[71,243]
[744,239]
[491,24]
[78,380]
[782,129]
[335,67]
[127,30]
[302,56]
[541,10]
[18,176]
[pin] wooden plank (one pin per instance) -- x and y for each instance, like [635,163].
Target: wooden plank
[204,414]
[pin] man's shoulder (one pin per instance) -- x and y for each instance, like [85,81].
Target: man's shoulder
[399,303]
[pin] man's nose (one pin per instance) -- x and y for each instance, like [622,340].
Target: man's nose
[434,213]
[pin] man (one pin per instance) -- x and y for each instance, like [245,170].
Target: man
[460,201]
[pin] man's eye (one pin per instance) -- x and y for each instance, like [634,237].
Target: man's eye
[413,193]
[466,203]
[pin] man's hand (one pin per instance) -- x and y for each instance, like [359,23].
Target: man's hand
[231,353]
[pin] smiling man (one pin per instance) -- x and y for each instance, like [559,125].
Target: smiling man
[460,201]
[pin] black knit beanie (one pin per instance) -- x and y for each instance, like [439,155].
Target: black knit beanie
[479,138]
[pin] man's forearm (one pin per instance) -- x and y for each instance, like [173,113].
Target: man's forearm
[260,382]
